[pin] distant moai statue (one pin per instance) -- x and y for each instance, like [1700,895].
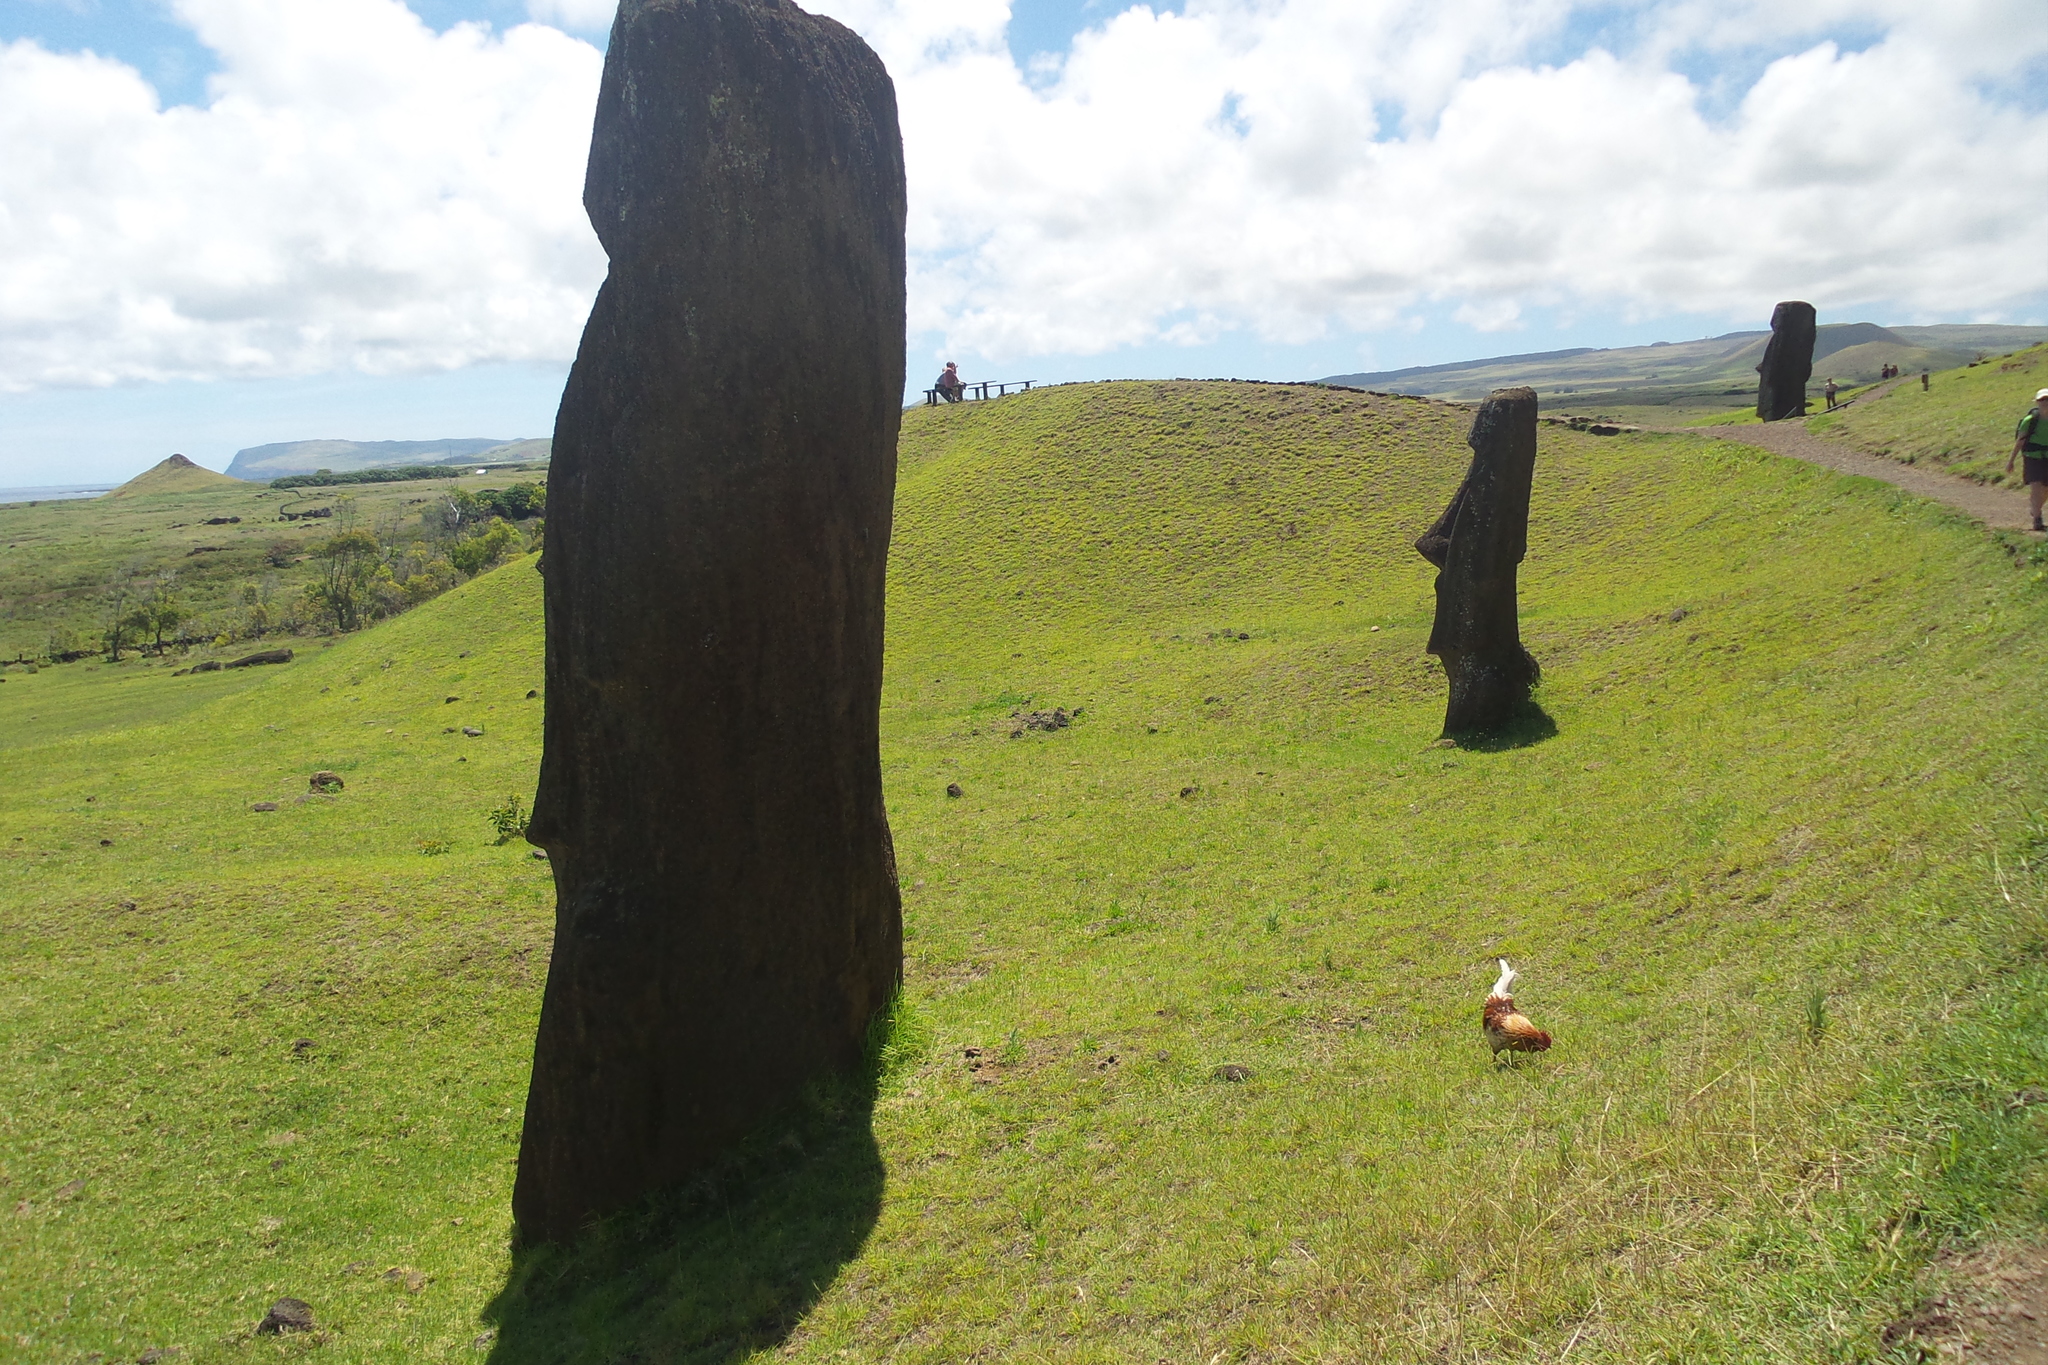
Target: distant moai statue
[1787,362]
[728,922]
[1477,545]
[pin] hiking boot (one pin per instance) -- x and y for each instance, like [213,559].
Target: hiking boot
[2038,526]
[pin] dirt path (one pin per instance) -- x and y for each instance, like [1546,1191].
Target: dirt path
[2001,509]
[1997,1314]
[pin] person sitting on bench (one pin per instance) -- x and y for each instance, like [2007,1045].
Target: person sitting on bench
[950,386]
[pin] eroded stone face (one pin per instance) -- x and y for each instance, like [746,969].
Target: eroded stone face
[718,527]
[1787,362]
[1477,545]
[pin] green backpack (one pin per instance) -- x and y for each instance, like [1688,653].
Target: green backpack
[2027,433]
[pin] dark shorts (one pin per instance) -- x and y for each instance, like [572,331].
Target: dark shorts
[2035,468]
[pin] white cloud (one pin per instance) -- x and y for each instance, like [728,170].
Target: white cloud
[360,193]
[1294,167]
[363,193]
[583,16]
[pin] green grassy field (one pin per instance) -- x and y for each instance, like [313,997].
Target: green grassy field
[1770,867]
[1962,423]
[56,558]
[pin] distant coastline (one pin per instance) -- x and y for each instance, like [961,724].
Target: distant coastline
[56,492]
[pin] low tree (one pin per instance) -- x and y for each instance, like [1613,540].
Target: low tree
[349,564]
[480,552]
[117,612]
[158,610]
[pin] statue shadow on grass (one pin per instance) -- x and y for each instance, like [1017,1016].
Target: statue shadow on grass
[1530,724]
[727,1265]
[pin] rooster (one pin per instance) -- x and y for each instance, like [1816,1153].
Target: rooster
[1504,1027]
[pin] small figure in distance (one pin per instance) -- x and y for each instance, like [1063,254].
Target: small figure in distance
[950,386]
[1923,381]
[1830,391]
[2030,443]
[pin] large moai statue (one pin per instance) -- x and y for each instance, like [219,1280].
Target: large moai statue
[1476,545]
[727,918]
[1787,363]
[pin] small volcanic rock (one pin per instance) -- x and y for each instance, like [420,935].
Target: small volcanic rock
[287,1315]
[953,789]
[473,732]
[264,806]
[324,781]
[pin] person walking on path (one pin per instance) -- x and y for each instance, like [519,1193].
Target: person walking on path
[1830,391]
[2030,444]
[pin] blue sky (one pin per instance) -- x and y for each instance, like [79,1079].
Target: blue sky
[1252,188]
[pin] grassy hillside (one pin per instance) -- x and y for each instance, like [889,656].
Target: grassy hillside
[1962,422]
[304,457]
[1693,382]
[173,475]
[1771,878]
[224,543]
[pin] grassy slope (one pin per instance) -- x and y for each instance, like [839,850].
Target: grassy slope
[1796,784]
[1962,423]
[56,557]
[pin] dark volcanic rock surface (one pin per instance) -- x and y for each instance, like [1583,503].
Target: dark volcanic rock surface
[1477,544]
[718,525]
[1787,362]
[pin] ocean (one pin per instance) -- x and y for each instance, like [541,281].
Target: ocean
[58,493]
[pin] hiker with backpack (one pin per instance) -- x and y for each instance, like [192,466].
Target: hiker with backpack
[2030,444]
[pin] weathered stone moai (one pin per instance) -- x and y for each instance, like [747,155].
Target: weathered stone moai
[1787,363]
[1476,545]
[710,798]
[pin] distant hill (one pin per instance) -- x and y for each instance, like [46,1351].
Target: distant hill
[174,475]
[1711,370]
[307,457]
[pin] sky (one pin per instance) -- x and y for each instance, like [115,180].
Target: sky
[230,222]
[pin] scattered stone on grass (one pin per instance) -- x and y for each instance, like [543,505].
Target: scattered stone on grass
[1056,719]
[324,781]
[954,789]
[1187,791]
[287,1315]
[300,1045]
[532,692]
[413,1280]
[1232,1072]
[474,732]
[106,843]
[264,806]
[262,656]
[445,701]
